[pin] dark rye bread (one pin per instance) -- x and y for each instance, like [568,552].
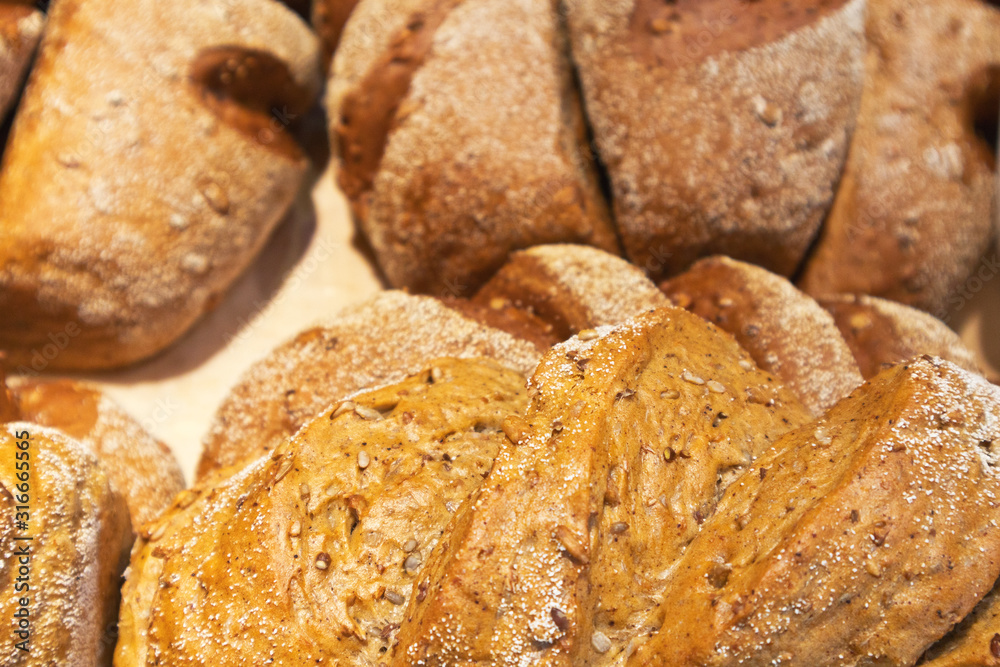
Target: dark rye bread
[379,341]
[571,288]
[461,138]
[630,437]
[20,29]
[80,536]
[723,125]
[860,539]
[912,216]
[317,547]
[882,332]
[785,331]
[141,175]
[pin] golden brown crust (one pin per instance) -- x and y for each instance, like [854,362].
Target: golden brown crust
[975,642]
[784,330]
[20,29]
[138,466]
[912,215]
[317,547]
[379,341]
[129,258]
[80,538]
[628,441]
[454,174]
[859,538]
[882,332]
[737,153]
[571,287]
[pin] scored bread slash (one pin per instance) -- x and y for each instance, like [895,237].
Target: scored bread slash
[864,550]
[723,125]
[569,535]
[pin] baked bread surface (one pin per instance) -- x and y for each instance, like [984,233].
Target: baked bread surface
[309,555]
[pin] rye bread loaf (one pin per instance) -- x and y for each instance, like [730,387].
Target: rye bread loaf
[785,331]
[138,180]
[913,212]
[461,138]
[379,341]
[570,288]
[723,125]
[882,332]
[68,574]
[316,547]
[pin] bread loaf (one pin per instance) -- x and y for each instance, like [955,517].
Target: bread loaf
[379,341]
[66,577]
[723,125]
[859,539]
[322,539]
[784,330]
[138,466]
[629,439]
[913,212]
[139,180]
[882,332]
[460,138]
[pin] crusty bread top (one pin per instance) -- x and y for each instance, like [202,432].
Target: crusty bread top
[882,332]
[912,216]
[80,539]
[760,134]
[783,329]
[573,287]
[138,466]
[134,255]
[630,435]
[317,547]
[378,341]
[859,539]
[664,29]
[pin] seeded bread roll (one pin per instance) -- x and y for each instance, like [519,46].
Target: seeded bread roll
[784,330]
[379,341]
[912,215]
[20,29]
[66,577]
[461,138]
[138,466]
[141,144]
[629,439]
[859,540]
[723,125]
[334,527]
[571,288]
[881,333]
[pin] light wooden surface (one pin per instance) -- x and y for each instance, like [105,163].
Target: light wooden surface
[311,270]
